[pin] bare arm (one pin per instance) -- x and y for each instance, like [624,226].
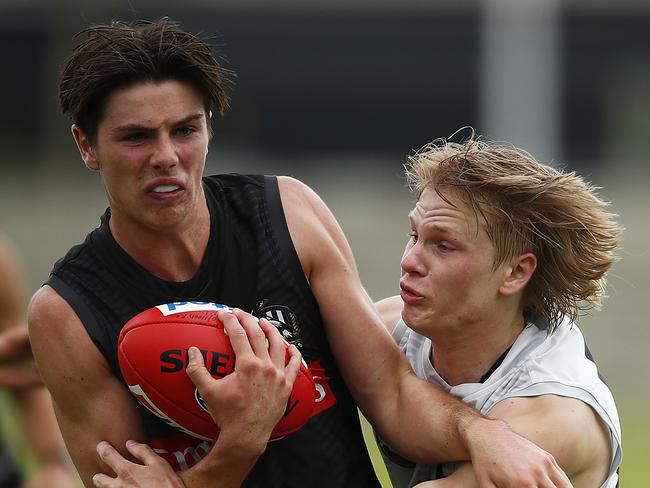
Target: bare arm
[390,311]
[18,373]
[17,370]
[376,372]
[440,428]
[88,399]
[565,427]
[89,402]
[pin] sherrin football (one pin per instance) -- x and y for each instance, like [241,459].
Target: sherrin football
[152,353]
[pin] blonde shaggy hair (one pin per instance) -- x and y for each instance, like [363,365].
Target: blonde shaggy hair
[527,206]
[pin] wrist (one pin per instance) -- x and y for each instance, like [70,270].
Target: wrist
[56,458]
[237,445]
[229,461]
[472,428]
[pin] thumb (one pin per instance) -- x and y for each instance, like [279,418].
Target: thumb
[196,369]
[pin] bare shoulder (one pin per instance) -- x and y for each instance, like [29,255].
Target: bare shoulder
[390,311]
[44,299]
[567,428]
[301,203]
[46,309]
[314,230]
[59,339]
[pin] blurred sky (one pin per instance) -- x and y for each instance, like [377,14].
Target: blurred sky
[339,92]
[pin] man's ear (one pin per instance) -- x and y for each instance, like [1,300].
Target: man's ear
[85,148]
[519,272]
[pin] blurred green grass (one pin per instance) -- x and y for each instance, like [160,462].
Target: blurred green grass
[635,471]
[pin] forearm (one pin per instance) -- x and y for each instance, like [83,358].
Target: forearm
[442,431]
[40,428]
[416,418]
[227,464]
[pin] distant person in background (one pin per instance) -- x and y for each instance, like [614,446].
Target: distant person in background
[504,253]
[18,376]
[141,96]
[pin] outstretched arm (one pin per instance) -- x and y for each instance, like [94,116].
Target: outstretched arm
[440,428]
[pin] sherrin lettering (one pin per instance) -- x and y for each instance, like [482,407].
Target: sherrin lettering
[152,354]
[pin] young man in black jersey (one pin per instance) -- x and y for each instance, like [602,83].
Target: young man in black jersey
[141,96]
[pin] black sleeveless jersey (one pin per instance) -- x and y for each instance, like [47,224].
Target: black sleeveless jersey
[250,263]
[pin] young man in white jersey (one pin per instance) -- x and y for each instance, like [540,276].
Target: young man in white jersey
[504,253]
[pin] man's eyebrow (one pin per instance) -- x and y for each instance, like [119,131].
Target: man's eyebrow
[140,127]
[437,226]
[190,118]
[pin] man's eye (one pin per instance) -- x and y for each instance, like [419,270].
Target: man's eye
[135,137]
[186,131]
[413,236]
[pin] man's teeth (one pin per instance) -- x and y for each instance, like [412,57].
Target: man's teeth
[165,188]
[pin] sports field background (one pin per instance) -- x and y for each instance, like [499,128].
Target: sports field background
[45,212]
[337,92]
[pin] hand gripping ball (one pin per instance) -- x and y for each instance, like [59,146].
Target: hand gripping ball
[152,353]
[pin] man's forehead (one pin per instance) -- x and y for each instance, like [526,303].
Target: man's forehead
[146,92]
[445,212]
[430,201]
[149,104]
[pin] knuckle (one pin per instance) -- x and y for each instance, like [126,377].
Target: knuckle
[159,462]
[245,364]
[123,469]
[254,329]
[524,481]
[538,471]
[550,461]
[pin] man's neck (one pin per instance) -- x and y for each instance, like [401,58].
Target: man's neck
[170,254]
[466,358]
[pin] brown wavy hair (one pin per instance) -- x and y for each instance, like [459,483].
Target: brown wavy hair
[527,206]
[109,57]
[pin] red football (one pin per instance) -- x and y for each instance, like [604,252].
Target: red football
[152,352]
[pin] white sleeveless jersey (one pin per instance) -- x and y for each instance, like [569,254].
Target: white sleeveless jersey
[537,364]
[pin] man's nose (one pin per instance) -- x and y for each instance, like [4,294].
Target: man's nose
[165,154]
